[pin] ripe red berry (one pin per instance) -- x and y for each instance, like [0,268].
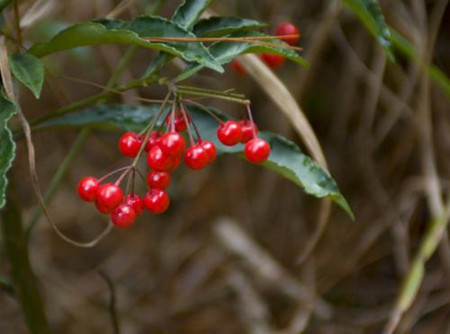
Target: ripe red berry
[237,67]
[156,201]
[257,150]
[87,189]
[123,216]
[229,133]
[175,163]
[196,157]
[247,130]
[179,121]
[129,144]
[287,28]
[173,144]
[210,149]
[136,202]
[102,209]
[153,140]
[158,160]
[273,60]
[159,180]
[109,196]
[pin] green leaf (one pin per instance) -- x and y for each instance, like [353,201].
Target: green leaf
[286,157]
[29,70]
[7,146]
[224,52]
[189,11]
[369,13]
[221,26]
[108,31]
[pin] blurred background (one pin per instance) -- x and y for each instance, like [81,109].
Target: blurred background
[228,257]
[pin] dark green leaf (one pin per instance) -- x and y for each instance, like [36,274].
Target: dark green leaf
[286,158]
[189,11]
[224,52]
[221,26]
[369,13]
[133,32]
[29,70]
[7,146]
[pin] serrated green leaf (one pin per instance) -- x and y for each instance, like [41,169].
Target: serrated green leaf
[108,31]
[286,157]
[189,11]
[221,26]
[224,52]
[369,13]
[29,70]
[7,147]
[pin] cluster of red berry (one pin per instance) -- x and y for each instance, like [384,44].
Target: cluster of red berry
[273,60]
[164,153]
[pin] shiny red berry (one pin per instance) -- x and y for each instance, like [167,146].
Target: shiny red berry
[129,144]
[175,163]
[173,144]
[123,216]
[109,196]
[210,149]
[158,160]
[159,180]
[179,121]
[102,209]
[287,28]
[273,60]
[229,133]
[247,130]
[237,67]
[196,157]
[153,140]
[156,201]
[257,150]
[136,202]
[87,189]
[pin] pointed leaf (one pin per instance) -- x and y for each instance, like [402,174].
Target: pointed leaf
[7,145]
[224,52]
[29,70]
[108,31]
[189,11]
[369,13]
[221,26]
[286,157]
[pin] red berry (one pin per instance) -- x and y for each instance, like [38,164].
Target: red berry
[153,140]
[159,180]
[158,160]
[136,202]
[229,133]
[156,201]
[237,67]
[257,150]
[173,144]
[287,28]
[176,161]
[102,209]
[196,157]
[179,121]
[273,60]
[210,150]
[87,189]
[247,130]
[129,144]
[123,216]
[109,196]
